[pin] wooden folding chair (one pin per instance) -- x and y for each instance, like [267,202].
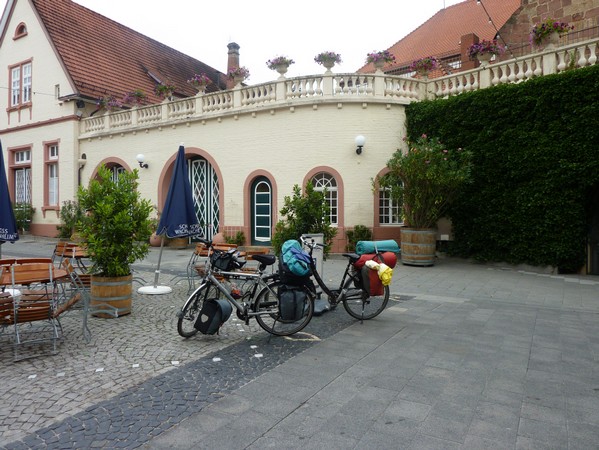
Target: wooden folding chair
[77,294]
[34,306]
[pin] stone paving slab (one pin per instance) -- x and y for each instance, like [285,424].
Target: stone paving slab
[468,356]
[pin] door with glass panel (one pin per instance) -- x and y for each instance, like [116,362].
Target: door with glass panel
[205,191]
[261,203]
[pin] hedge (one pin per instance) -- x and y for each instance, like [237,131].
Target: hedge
[536,163]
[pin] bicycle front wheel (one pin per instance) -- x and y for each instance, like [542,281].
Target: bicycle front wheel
[190,311]
[269,315]
[363,307]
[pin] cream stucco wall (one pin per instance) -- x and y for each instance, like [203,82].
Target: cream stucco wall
[285,142]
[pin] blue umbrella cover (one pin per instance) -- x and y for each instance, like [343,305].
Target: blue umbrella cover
[178,218]
[8,223]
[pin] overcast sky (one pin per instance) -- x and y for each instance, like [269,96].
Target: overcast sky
[269,28]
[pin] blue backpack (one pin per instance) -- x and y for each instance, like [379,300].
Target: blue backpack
[294,263]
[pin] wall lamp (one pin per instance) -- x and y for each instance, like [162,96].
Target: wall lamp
[360,141]
[140,159]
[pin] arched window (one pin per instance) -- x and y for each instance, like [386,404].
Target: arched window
[20,31]
[390,212]
[323,181]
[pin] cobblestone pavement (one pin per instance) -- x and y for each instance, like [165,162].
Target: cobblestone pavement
[137,377]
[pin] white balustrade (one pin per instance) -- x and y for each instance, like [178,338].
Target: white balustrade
[399,89]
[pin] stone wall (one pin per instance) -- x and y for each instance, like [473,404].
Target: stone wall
[582,14]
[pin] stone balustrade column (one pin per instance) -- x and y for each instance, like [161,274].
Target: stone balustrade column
[379,85]
[237,96]
[134,115]
[280,90]
[549,63]
[484,78]
[327,85]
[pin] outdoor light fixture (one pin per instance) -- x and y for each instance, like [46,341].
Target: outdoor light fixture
[140,159]
[360,141]
[80,104]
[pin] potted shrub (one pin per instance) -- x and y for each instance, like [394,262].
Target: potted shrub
[70,215]
[328,59]
[379,59]
[164,91]
[200,81]
[423,66]
[485,50]
[280,64]
[238,74]
[23,215]
[115,230]
[548,32]
[425,179]
[136,97]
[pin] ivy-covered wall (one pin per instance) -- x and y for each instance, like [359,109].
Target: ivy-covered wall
[536,166]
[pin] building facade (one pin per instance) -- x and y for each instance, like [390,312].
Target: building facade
[247,146]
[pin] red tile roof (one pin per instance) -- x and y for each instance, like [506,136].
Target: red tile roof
[440,35]
[103,57]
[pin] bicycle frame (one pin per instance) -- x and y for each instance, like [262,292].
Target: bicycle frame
[335,295]
[257,287]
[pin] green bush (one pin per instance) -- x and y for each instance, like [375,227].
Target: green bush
[536,159]
[117,228]
[70,214]
[238,239]
[303,214]
[23,215]
[359,233]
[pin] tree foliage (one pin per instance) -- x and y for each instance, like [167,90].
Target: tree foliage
[117,225]
[303,214]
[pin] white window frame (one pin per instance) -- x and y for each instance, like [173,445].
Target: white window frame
[388,209]
[20,84]
[23,157]
[322,181]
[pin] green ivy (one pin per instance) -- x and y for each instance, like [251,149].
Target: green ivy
[536,159]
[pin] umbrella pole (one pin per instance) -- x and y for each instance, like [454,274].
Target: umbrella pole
[156,289]
[157,272]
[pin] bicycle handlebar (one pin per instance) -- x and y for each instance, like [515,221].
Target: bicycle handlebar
[312,244]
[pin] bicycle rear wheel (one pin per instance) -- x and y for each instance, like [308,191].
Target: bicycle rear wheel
[190,311]
[361,307]
[269,316]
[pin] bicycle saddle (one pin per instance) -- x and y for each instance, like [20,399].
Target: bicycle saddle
[267,260]
[353,257]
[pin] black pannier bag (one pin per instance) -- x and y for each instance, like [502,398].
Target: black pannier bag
[289,278]
[292,303]
[225,261]
[214,312]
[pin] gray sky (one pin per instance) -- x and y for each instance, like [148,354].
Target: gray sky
[269,28]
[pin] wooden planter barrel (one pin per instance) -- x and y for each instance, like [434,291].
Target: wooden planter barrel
[109,294]
[179,243]
[418,246]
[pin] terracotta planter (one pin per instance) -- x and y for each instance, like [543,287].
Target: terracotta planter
[155,240]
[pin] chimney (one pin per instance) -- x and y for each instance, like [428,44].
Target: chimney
[232,61]
[465,42]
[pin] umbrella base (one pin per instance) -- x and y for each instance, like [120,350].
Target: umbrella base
[154,290]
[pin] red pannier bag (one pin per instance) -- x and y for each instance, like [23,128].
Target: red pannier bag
[370,278]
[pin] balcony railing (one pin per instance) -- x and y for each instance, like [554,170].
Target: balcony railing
[348,87]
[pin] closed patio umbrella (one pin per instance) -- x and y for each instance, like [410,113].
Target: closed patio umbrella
[178,218]
[8,224]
